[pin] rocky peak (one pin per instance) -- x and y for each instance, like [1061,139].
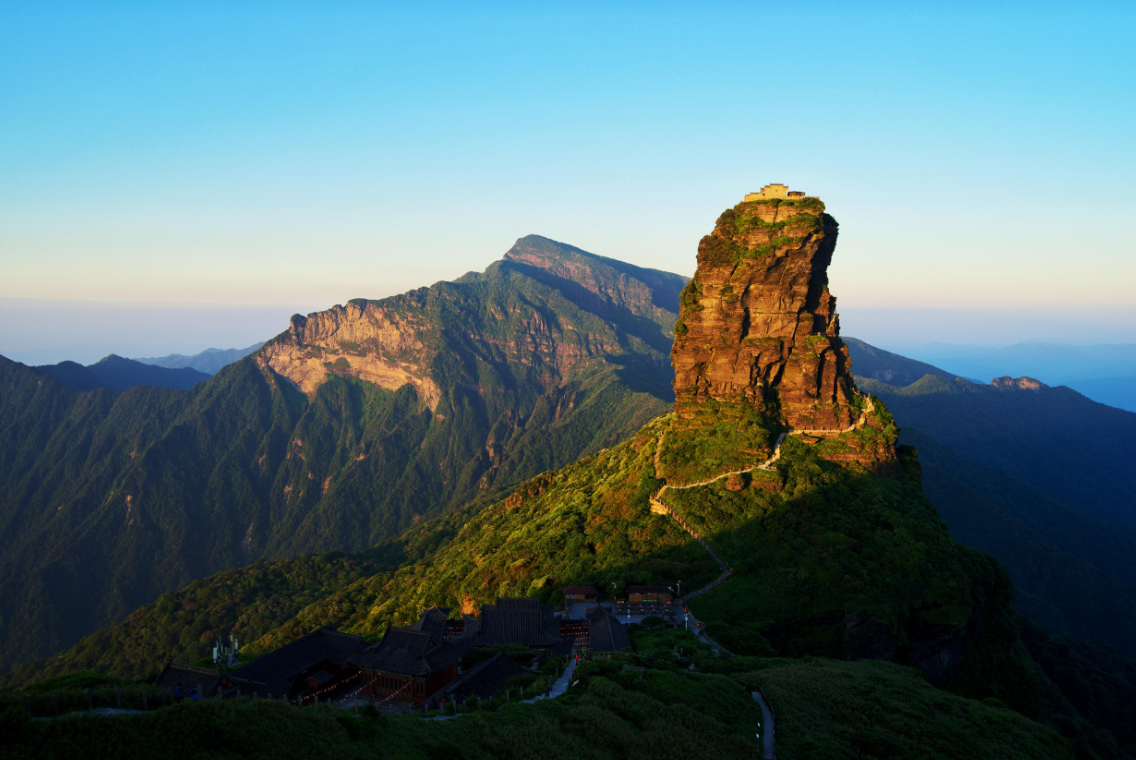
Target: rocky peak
[367,341]
[639,291]
[758,325]
[533,312]
[1008,383]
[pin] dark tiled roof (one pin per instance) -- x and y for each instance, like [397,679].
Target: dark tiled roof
[581,591]
[516,603]
[284,664]
[484,680]
[648,590]
[258,690]
[526,622]
[431,622]
[605,633]
[205,679]
[411,653]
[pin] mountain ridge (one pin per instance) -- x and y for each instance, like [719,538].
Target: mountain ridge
[210,361]
[123,497]
[117,374]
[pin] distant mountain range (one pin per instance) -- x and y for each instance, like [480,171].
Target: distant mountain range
[210,361]
[116,374]
[1104,373]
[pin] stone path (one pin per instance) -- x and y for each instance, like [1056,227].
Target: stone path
[767,724]
[659,507]
[558,688]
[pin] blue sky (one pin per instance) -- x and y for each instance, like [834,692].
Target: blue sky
[286,158]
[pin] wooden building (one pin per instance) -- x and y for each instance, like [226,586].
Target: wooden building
[408,665]
[605,633]
[207,680]
[298,671]
[575,631]
[522,621]
[484,680]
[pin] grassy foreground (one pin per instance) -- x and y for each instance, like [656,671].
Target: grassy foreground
[870,709]
[666,714]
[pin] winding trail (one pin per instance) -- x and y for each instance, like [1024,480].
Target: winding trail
[660,507]
[768,733]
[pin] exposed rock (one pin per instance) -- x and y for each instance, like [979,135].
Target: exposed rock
[758,324]
[362,340]
[1008,383]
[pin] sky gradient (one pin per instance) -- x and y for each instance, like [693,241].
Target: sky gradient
[284,158]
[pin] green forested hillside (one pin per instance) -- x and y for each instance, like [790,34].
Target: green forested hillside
[117,374]
[832,709]
[837,563]
[110,500]
[825,709]
[609,714]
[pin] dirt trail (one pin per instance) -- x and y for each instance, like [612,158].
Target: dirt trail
[658,506]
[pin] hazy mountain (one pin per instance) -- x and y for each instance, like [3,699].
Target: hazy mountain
[1058,441]
[458,391]
[114,373]
[210,361]
[1104,373]
[1073,575]
[873,363]
[1114,391]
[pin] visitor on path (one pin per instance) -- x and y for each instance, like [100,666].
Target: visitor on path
[194,694]
[179,695]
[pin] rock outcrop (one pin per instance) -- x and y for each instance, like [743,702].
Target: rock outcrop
[492,316]
[362,340]
[1007,383]
[758,324]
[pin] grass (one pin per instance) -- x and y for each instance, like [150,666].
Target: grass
[719,437]
[609,713]
[868,709]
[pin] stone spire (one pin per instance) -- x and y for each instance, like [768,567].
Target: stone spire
[758,325]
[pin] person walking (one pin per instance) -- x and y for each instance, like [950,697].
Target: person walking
[179,695]
[194,694]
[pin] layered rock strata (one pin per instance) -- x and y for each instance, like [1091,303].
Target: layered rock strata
[758,324]
[360,340]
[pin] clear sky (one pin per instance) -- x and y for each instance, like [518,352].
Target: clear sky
[290,157]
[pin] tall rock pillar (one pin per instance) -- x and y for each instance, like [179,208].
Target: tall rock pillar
[758,325]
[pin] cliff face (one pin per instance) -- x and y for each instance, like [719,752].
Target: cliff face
[398,341]
[758,324]
[362,340]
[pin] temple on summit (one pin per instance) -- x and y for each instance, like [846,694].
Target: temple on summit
[772,191]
